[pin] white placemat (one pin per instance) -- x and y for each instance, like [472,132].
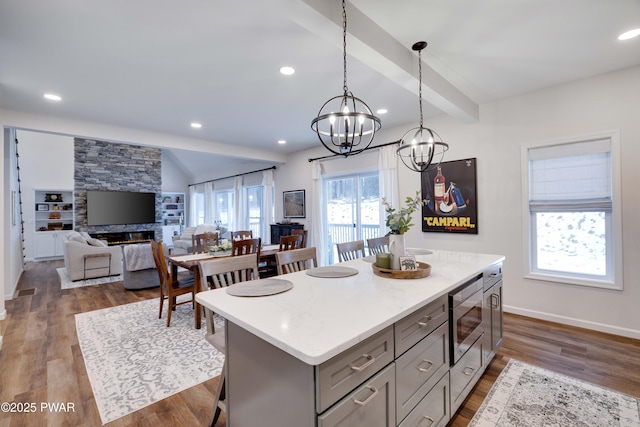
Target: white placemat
[332,271]
[259,288]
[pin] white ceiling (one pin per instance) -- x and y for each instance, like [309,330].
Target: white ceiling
[157,65]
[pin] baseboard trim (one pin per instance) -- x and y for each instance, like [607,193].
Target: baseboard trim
[0,342]
[3,315]
[600,327]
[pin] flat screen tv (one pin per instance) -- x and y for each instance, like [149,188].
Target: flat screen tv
[120,207]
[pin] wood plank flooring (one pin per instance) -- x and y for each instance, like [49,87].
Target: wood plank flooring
[41,360]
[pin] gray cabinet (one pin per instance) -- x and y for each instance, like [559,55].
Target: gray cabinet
[434,409]
[492,312]
[371,405]
[465,373]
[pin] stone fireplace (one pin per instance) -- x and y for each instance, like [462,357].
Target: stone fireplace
[102,165]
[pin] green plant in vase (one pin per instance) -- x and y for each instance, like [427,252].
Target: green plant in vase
[399,222]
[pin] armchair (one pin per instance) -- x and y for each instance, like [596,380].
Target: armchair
[83,260]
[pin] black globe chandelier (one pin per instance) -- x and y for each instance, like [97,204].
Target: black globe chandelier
[345,123]
[420,145]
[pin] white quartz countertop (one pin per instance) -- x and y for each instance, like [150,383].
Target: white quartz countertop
[321,317]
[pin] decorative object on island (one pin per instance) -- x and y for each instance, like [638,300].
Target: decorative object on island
[425,144]
[451,204]
[422,270]
[399,223]
[293,204]
[345,124]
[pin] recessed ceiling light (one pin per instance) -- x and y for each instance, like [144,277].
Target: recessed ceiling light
[629,34]
[381,111]
[287,71]
[196,125]
[282,141]
[52,97]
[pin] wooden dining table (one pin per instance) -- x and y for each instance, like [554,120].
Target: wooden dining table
[191,262]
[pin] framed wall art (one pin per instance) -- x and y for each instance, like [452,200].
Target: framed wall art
[293,203]
[451,194]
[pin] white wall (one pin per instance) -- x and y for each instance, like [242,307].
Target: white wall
[592,106]
[46,163]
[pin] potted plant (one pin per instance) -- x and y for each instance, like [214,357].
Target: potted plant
[399,222]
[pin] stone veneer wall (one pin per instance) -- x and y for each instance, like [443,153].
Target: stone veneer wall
[101,165]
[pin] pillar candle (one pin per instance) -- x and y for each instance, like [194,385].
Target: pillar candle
[383,260]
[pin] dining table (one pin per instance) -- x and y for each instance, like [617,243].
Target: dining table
[191,262]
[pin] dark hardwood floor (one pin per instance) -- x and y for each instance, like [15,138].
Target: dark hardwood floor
[41,360]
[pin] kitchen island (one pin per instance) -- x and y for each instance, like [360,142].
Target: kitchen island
[292,358]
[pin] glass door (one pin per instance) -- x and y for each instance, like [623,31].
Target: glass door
[352,210]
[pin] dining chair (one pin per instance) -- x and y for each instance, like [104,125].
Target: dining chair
[378,245]
[170,289]
[241,235]
[224,272]
[290,242]
[296,260]
[246,246]
[350,250]
[200,242]
[302,233]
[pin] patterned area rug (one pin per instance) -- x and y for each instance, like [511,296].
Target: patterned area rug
[66,283]
[524,395]
[134,360]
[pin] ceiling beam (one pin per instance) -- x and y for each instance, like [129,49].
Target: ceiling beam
[376,48]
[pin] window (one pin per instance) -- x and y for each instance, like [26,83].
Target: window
[255,208]
[223,201]
[352,209]
[199,204]
[573,212]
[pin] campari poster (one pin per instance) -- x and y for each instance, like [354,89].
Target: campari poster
[451,195]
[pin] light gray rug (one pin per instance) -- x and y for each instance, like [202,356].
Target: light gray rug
[134,360]
[525,395]
[66,283]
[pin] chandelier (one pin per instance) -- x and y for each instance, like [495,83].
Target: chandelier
[420,145]
[345,124]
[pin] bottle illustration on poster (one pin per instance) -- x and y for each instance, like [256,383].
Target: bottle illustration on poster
[451,198]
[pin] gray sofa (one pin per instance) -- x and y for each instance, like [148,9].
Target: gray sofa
[82,261]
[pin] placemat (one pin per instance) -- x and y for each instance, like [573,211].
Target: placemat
[259,288]
[332,271]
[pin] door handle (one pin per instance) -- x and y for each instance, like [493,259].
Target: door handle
[429,362]
[374,392]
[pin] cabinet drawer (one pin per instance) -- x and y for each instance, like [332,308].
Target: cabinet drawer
[418,325]
[465,373]
[492,275]
[372,405]
[433,410]
[420,368]
[339,375]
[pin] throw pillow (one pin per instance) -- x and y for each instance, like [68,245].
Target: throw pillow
[97,242]
[77,238]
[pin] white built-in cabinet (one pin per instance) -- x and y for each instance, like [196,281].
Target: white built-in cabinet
[173,215]
[53,219]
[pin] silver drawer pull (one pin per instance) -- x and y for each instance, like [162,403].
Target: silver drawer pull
[427,368]
[495,301]
[424,323]
[468,371]
[369,362]
[374,392]
[424,417]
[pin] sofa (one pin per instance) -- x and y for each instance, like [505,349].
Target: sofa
[82,260]
[182,243]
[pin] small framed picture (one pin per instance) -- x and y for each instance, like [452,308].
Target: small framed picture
[293,204]
[408,263]
[42,207]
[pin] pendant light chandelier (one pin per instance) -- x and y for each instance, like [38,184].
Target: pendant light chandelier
[419,146]
[345,124]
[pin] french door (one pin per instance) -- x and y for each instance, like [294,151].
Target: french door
[352,209]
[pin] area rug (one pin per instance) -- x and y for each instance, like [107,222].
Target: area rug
[66,283]
[525,395]
[134,360]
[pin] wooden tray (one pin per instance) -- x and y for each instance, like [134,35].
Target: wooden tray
[423,271]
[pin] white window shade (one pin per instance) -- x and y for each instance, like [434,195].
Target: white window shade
[571,177]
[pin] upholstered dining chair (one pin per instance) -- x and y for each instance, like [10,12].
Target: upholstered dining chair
[378,245]
[350,250]
[170,289]
[200,242]
[224,272]
[296,260]
[302,233]
[241,235]
[288,243]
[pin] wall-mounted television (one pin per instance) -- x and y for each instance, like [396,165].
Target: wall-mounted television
[120,207]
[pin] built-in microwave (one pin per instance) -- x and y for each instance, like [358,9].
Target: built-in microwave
[465,317]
